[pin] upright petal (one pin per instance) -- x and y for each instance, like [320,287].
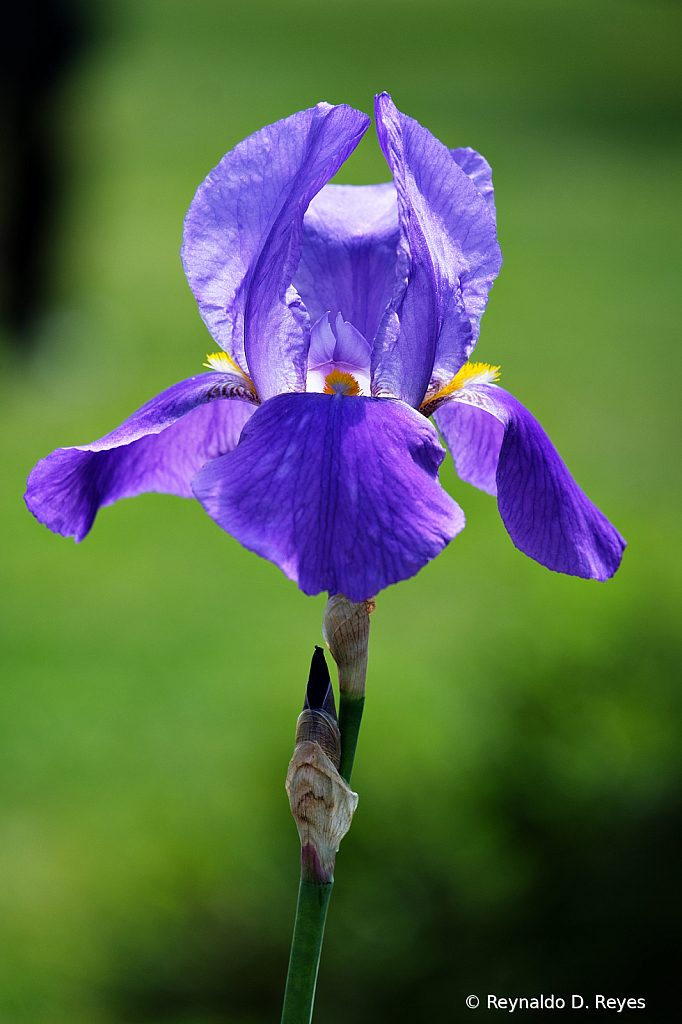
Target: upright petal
[341,493]
[350,238]
[477,168]
[448,257]
[546,514]
[159,448]
[242,239]
[351,346]
[342,345]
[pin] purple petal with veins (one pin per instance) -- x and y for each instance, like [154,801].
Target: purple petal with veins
[546,514]
[351,347]
[322,343]
[159,448]
[341,493]
[448,258]
[348,259]
[243,234]
[477,168]
[338,348]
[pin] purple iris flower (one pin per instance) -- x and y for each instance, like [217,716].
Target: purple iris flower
[346,317]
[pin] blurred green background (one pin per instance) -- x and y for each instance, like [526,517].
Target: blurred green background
[519,766]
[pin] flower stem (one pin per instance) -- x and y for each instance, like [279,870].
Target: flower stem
[350,716]
[306,946]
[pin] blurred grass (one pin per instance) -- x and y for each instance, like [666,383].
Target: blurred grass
[519,767]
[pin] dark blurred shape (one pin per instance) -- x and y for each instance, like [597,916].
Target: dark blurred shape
[38,43]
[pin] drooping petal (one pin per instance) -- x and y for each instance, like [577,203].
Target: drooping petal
[474,438]
[350,237]
[242,239]
[341,493]
[159,448]
[546,514]
[477,168]
[448,257]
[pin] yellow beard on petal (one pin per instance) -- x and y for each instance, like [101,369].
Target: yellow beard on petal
[224,363]
[470,374]
[339,383]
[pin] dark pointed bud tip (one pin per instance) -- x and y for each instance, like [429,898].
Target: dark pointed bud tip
[319,682]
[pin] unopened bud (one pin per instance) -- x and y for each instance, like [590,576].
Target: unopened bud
[321,802]
[345,627]
[322,805]
[318,722]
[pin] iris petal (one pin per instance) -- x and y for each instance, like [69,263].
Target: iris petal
[242,239]
[479,171]
[322,342]
[342,493]
[350,238]
[344,344]
[159,448]
[351,347]
[474,438]
[546,514]
[448,257]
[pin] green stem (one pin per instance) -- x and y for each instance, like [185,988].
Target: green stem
[306,946]
[350,716]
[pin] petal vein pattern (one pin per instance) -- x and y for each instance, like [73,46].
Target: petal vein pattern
[448,258]
[341,492]
[348,260]
[243,234]
[477,168]
[500,447]
[159,448]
